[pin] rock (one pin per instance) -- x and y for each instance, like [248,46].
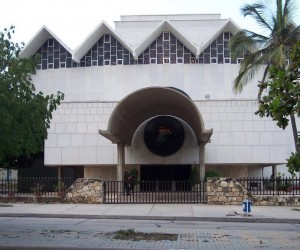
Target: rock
[224,184]
[85,191]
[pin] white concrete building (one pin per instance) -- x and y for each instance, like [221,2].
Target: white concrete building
[175,67]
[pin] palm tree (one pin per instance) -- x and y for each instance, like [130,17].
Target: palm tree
[272,47]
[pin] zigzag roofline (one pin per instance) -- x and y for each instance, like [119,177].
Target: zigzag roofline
[230,25]
[103,28]
[163,27]
[38,40]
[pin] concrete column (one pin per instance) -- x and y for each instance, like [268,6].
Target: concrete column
[202,161]
[274,171]
[121,161]
[274,174]
[59,179]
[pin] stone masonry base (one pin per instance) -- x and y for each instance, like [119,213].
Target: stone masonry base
[85,191]
[228,191]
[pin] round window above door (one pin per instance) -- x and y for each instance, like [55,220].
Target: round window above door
[164,135]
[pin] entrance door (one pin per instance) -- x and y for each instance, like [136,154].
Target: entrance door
[165,177]
[165,172]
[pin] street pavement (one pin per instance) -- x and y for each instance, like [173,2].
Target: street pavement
[197,226]
[184,212]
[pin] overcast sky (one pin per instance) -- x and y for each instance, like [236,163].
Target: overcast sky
[73,20]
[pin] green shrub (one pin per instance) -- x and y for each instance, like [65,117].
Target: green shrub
[211,173]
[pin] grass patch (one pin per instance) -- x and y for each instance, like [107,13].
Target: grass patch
[295,209]
[6,205]
[60,231]
[130,234]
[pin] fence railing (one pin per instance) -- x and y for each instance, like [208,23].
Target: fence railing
[39,186]
[154,192]
[271,186]
[147,191]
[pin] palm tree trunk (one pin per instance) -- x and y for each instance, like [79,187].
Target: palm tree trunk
[295,132]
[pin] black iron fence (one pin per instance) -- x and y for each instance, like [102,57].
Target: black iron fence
[271,186]
[39,186]
[147,191]
[154,192]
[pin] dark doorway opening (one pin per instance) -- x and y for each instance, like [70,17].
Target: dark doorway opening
[165,172]
[165,177]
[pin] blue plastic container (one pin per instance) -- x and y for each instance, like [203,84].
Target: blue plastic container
[247,206]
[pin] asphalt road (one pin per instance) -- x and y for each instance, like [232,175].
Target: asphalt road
[58,233]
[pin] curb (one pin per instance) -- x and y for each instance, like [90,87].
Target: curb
[169,218]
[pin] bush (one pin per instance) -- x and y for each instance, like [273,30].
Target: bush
[211,173]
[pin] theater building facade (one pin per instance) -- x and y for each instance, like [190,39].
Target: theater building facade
[154,94]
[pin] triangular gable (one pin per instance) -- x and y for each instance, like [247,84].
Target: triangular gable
[229,26]
[216,49]
[102,29]
[107,51]
[166,49]
[38,40]
[163,27]
[53,56]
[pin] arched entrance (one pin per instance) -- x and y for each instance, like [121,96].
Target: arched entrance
[147,103]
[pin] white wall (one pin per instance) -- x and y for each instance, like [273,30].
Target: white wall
[107,173]
[73,137]
[239,137]
[281,169]
[229,170]
[13,174]
[91,93]
[112,83]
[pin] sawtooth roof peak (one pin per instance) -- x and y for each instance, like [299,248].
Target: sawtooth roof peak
[136,33]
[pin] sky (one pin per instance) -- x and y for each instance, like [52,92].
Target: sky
[73,20]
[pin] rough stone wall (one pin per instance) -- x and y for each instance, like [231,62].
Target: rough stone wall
[85,191]
[225,191]
[228,191]
[276,201]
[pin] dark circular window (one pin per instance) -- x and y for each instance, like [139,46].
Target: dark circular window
[164,135]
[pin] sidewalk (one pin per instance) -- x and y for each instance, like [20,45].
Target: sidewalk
[183,212]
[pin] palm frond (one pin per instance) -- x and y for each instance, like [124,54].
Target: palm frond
[246,40]
[259,40]
[293,35]
[257,11]
[289,10]
[244,78]
[248,69]
[239,42]
[256,36]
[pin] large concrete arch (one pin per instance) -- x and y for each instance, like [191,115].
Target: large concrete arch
[145,103]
